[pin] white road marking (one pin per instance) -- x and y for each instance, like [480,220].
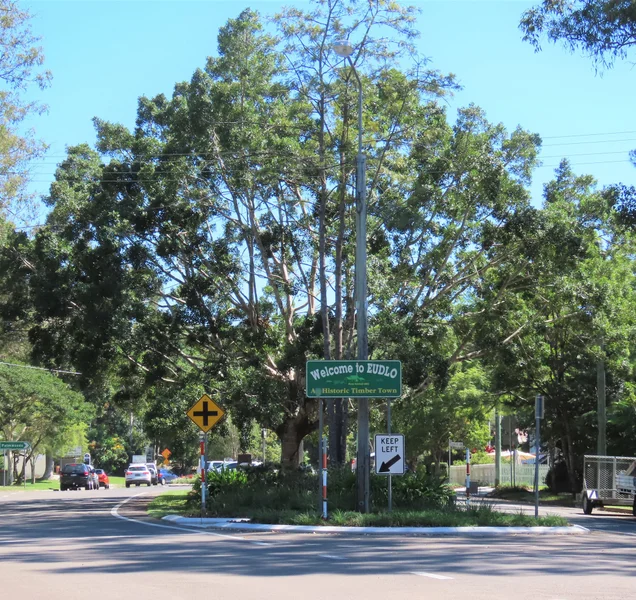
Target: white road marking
[115,513]
[431,575]
[332,556]
[349,546]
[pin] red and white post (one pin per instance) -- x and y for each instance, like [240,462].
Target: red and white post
[324,478]
[467,477]
[204,487]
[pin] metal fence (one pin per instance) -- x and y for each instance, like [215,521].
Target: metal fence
[600,474]
[485,474]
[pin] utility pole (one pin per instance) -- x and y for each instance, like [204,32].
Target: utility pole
[345,49]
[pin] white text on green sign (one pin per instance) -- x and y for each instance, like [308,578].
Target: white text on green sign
[354,378]
[14,445]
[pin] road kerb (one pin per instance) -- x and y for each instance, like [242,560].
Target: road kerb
[245,525]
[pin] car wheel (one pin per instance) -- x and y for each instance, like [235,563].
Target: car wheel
[634,507]
[137,484]
[148,484]
[127,485]
[107,487]
[587,504]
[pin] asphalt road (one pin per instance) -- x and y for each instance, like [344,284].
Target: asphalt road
[94,545]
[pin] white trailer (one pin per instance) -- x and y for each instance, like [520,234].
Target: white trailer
[608,481]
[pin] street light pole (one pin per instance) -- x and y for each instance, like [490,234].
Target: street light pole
[345,49]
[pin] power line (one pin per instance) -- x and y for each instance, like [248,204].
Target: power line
[574,135]
[39,368]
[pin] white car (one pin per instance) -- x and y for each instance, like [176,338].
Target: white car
[137,474]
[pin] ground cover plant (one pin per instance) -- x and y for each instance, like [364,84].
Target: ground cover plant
[484,514]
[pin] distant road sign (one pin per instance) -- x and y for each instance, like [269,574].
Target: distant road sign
[389,454]
[14,445]
[206,413]
[456,445]
[354,379]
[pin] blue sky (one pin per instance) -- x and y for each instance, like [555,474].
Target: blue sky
[105,54]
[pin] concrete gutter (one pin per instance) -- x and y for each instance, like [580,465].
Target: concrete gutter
[245,525]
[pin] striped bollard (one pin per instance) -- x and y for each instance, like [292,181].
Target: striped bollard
[467,477]
[324,479]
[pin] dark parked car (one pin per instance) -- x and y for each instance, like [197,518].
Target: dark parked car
[77,475]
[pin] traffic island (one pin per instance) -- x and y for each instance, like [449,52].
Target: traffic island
[457,520]
[475,531]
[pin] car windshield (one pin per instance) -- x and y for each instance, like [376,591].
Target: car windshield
[99,471]
[74,469]
[137,469]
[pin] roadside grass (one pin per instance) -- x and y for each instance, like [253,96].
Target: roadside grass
[116,481]
[173,502]
[481,516]
[39,485]
[179,502]
[526,495]
[183,480]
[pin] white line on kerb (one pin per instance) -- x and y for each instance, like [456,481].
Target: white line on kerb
[115,513]
[431,575]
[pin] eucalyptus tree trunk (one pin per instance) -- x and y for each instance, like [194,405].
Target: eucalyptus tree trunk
[48,470]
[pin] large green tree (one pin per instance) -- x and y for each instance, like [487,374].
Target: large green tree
[214,243]
[577,312]
[21,61]
[604,29]
[40,408]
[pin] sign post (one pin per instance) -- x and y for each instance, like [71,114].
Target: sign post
[388,428]
[202,443]
[9,447]
[205,414]
[389,454]
[538,415]
[361,379]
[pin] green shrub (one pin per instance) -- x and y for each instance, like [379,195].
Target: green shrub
[240,492]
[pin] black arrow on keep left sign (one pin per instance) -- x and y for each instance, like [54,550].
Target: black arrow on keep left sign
[385,467]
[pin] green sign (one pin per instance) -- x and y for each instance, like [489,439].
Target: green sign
[354,378]
[14,445]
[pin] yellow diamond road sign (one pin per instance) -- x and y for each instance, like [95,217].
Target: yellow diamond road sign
[206,413]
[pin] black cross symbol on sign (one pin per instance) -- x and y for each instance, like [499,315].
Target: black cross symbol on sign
[205,413]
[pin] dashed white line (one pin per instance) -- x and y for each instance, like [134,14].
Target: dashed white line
[431,575]
[332,556]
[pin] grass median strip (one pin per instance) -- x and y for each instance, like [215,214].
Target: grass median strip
[480,516]
[173,502]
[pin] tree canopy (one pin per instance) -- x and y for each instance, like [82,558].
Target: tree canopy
[604,29]
[21,61]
